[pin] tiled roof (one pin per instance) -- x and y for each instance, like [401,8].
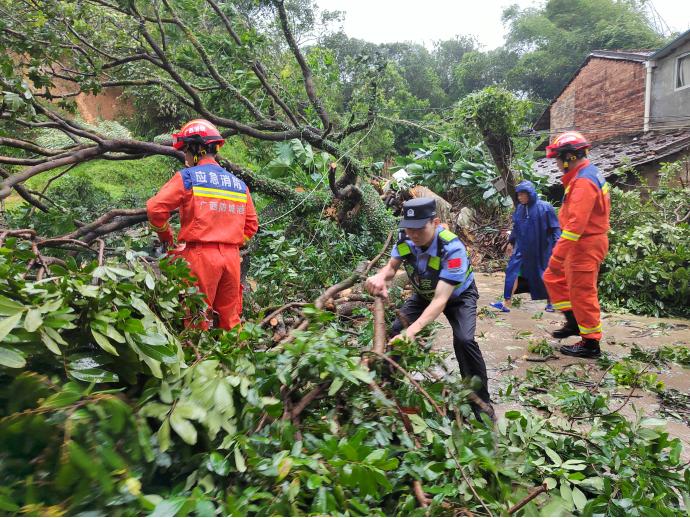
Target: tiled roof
[629,150]
[626,55]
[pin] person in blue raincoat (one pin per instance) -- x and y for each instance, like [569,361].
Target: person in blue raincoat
[535,232]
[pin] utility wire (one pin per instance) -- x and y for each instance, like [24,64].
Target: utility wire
[323,176]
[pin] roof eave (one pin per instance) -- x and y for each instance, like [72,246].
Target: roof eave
[670,47]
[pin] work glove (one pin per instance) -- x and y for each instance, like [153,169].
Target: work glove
[166,238]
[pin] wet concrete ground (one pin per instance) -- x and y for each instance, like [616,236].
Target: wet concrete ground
[508,335]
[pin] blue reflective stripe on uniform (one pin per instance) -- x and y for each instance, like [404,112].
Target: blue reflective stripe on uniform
[593,174]
[213,177]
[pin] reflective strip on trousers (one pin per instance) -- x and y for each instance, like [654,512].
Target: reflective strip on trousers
[590,330]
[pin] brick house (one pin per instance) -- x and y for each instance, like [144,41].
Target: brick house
[605,96]
[634,106]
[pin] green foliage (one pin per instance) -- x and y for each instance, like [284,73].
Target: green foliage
[647,270]
[551,42]
[129,182]
[120,423]
[85,310]
[495,112]
[477,70]
[298,164]
[541,347]
[89,190]
[663,355]
[631,373]
[52,138]
[291,260]
[462,167]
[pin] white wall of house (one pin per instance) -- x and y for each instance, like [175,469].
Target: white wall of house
[670,90]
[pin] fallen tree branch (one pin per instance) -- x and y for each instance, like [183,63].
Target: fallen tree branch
[306,71]
[25,194]
[115,219]
[409,376]
[278,311]
[379,326]
[419,494]
[522,503]
[314,394]
[627,399]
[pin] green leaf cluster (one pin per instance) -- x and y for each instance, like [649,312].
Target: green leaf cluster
[647,270]
[134,414]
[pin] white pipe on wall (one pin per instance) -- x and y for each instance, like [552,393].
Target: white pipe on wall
[649,65]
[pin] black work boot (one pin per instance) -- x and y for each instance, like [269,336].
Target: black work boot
[585,348]
[487,409]
[569,328]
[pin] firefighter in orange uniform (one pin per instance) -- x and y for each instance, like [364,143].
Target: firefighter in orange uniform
[571,277]
[217,217]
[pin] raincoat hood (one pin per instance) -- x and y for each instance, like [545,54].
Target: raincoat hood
[528,187]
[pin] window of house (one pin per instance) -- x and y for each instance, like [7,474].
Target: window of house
[683,71]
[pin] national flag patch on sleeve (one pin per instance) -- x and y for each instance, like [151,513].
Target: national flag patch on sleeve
[454,263]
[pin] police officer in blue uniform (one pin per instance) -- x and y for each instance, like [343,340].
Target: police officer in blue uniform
[438,267]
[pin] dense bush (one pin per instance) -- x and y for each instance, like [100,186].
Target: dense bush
[89,190]
[109,407]
[462,170]
[647,270]
[55,139]
[298,260]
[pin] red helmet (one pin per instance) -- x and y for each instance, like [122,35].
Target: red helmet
[570,141]
[197,131]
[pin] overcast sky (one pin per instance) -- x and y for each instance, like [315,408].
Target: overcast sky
[426,21]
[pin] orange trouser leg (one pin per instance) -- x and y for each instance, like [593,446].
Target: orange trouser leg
[583,291]
[582,270]
[575,288]
[557,287]
[206,265]
[228,301]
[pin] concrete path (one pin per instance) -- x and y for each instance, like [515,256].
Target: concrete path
[505,336]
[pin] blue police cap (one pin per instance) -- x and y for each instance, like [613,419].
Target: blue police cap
[417,212]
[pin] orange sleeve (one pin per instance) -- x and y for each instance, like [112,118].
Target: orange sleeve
[169,198]
[581,201]
[251,220]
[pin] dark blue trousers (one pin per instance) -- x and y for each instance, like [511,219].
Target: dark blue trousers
[461,313]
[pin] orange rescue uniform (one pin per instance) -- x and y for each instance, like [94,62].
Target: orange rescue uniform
[217,216]
[571,278]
